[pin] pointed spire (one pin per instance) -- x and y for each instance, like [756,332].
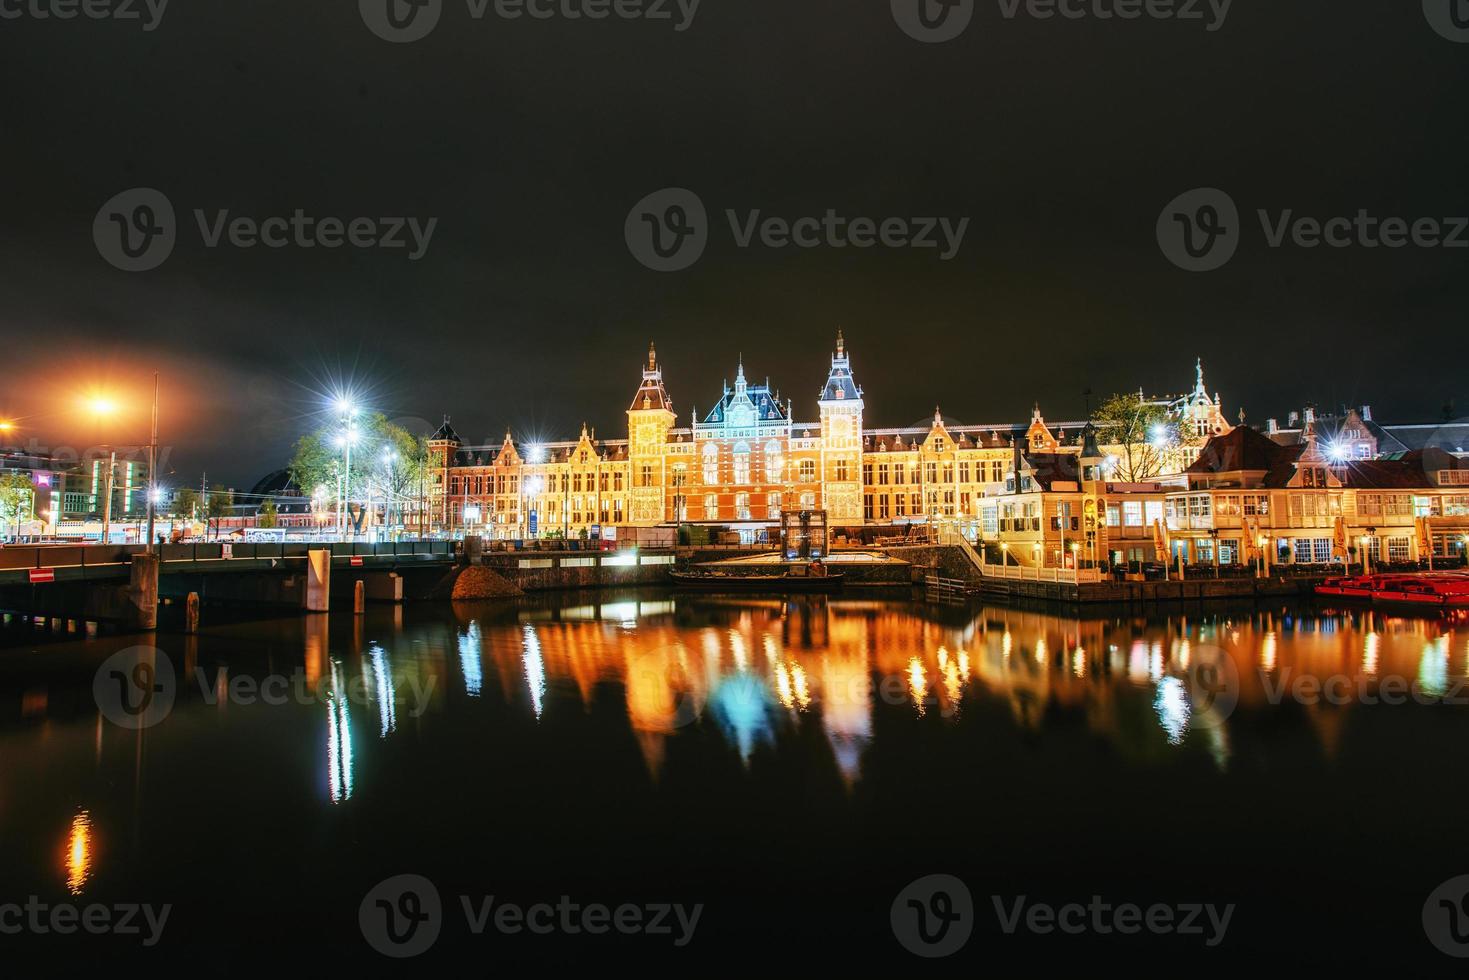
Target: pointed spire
[652,356]
[938,416]
[584,430]
[841,343]
[1089,447]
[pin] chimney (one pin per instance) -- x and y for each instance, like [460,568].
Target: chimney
[1272,426]
[1366,413]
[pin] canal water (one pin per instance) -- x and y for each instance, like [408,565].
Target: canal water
[787,766]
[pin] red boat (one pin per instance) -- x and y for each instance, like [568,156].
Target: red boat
[1432,590]
[1351,587]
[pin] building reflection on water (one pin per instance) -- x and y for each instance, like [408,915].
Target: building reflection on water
[752,672]
[753,668]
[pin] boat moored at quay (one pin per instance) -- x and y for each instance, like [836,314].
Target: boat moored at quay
[1429,590]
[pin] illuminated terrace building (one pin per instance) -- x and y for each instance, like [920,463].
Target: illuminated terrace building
[739,464]
[1052,491]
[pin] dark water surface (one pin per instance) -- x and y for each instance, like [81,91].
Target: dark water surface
[790,766]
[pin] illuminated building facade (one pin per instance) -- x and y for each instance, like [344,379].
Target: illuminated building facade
[1050,491]
[748,457]
[739,465]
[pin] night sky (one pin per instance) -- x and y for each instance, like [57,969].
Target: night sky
[529,141]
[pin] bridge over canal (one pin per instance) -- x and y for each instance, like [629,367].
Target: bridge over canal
[123,583]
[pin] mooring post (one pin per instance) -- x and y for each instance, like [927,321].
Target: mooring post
[142,592]
[359,597]
[318,580]
[191,613]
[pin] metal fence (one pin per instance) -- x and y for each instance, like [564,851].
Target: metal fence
[88,556]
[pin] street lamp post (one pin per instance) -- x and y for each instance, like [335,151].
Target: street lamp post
[101,408]
[152,467]
[349,435]
[390,458]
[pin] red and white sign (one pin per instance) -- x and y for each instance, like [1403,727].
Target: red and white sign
[356,561]
[42,575]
